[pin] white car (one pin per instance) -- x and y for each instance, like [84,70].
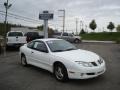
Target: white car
[62,59]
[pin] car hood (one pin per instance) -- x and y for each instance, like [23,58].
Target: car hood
[78,55]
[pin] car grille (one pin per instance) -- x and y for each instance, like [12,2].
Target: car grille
[99,62]
[90,73]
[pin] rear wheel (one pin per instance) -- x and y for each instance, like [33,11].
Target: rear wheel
[60,72]
[76,41]
[23,60]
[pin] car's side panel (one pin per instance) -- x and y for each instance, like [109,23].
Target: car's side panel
[27,52]
[41,59]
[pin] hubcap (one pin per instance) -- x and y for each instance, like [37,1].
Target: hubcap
[76,41]
[59,73]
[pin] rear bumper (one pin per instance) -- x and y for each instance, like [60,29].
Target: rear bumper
[87,73]
[15,44]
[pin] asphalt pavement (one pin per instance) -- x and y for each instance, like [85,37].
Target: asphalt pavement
[14,76]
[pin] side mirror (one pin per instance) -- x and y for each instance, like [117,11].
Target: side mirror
[45,50]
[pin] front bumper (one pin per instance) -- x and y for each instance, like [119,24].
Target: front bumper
[87,73]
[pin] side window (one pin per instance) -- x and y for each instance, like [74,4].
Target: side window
[40,46]
[65,34]
[71,35]
[30,44]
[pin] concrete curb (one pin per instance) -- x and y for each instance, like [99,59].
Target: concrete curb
[94,41]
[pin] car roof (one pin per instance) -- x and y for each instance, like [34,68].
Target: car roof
[48,39]
[32,32]
[15,31]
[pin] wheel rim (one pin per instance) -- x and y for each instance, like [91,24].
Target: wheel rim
[59,73]
[23,60]
[76,41]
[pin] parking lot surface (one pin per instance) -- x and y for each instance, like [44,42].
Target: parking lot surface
[14,76]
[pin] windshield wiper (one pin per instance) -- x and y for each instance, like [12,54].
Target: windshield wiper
[58,50]
[70,49]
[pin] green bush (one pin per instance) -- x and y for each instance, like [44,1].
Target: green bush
[118,41]
[104,36]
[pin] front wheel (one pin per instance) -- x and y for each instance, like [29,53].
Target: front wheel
[77,41]
[60,72]
[23,60]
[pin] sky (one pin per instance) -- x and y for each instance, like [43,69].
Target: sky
[103,11]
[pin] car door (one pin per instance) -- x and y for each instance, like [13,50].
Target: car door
[65,36]
[41,55]
[70,37]
[29,52]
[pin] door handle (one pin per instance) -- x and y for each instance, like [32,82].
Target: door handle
[32,52]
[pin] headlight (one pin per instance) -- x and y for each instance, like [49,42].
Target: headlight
[85,64]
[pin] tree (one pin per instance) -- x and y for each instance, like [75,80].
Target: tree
[82,31]
[40,28]
[118,28]
[93,25]
[50,32]
[111,26]
[2,28]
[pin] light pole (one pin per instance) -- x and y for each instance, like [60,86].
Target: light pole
[86,28]
[76,26]
[7,6]
[81,25]
[63,19]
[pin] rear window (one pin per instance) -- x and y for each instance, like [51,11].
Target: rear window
[57,34]
[32,34]
[12,34]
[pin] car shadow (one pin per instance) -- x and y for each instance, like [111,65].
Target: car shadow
[37,69]
[12,49]
[87,81]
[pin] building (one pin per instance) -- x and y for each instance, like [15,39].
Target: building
[27,29]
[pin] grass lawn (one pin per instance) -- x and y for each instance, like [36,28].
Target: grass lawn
[104,36]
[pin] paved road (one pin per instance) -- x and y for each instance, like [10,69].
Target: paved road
[13,76]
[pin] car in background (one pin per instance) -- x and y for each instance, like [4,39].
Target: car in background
[15,39]
[32,36]
[62,58]
[68,37]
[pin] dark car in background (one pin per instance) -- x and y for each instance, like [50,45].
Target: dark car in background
[32,36]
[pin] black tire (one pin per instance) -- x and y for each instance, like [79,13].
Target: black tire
[60,72]
[23,60]
[76,41]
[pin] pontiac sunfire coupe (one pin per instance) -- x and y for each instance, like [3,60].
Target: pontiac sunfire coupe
[62,58]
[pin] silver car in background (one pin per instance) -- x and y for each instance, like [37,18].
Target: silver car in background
[68,37]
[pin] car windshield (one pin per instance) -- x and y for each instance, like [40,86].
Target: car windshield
[60,45]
